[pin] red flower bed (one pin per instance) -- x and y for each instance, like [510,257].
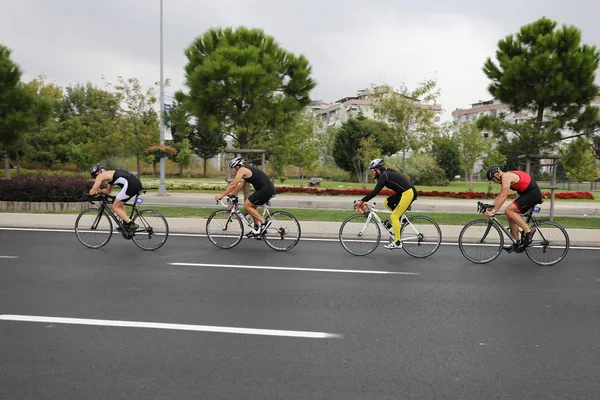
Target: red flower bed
[434,193]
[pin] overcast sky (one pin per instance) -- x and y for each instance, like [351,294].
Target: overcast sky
[350,44]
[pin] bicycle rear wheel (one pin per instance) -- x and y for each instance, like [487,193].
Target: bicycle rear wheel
[152,231]
[480,241]
[224,230]
[93,228]
[421,237]
[550,244]
[358,237]
[284,232]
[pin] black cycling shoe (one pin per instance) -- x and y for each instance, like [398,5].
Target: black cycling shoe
[528,238]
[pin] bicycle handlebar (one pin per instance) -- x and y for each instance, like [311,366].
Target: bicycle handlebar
[101,197]
[232,199]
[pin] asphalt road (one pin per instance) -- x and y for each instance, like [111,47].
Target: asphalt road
[448,329]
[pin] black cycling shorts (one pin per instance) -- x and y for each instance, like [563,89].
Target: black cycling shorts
[132,188]
[260,197]
[528,200]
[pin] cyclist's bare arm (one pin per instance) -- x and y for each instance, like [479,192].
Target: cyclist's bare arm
[233,187]
[507,179]
[103,177]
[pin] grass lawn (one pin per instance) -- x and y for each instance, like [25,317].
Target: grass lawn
[339,216]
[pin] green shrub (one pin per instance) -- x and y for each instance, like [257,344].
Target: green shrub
[421,169]
[183,185]
[44,188]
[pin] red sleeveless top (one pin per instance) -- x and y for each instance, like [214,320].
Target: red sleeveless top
[524,181]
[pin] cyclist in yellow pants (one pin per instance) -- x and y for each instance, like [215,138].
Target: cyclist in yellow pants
[397,203]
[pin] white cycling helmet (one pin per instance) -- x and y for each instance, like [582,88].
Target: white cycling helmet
[236,161]
[376,163]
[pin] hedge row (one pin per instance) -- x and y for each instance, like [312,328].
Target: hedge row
[45,188]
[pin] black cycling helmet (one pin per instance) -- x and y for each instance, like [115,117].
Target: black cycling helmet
[491,171]
[97,168]
[376,163]
[236,161]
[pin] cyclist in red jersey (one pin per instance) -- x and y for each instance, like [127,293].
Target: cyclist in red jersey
[529,194]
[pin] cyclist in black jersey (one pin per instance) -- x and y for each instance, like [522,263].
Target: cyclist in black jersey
[263,191]
[130,186]
[397,203]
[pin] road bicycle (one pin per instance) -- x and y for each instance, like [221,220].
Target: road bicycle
[360,234]
[482,240]
[94,226]
[225,228]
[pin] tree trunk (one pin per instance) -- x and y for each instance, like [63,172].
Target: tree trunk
[139,169]
[18,163]
[403,161]
[205,162]
[180,170]
[6,165]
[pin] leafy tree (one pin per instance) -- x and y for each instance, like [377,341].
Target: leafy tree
[446,152]
[367,151]
[206,142]
[348,142]
[472,147]
[185,155]
[410,113]
[140,123]
[243,84]
[89,117]
[540,69]
[16,105]
[579,161]
[44,143]
[181,130]
[295,144]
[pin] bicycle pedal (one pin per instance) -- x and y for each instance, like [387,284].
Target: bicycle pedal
[508,249]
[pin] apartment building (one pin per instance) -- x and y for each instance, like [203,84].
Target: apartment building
[340,111]
[494,108]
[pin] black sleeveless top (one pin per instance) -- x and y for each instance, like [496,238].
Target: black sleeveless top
[259,179]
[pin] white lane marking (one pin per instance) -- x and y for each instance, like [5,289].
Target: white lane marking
[204,235]
[347,271]
[179,327]
[9,257]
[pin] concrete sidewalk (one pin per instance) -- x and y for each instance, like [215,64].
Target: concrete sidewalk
[310,229]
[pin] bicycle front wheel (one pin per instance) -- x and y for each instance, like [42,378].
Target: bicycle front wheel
[358,236]
[421,236]
[224,230]
[284,232]
[480,241]
[152,231]
[93,228]
[550,244]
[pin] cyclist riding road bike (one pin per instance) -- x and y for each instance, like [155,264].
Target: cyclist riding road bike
[397,203]
[130,186]
[263,191]
[529,194]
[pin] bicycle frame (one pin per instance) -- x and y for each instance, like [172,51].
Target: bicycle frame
[235,209]
[404,220]
[104,208]
[506,230]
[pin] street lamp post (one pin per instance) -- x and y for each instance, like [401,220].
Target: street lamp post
[162,188]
